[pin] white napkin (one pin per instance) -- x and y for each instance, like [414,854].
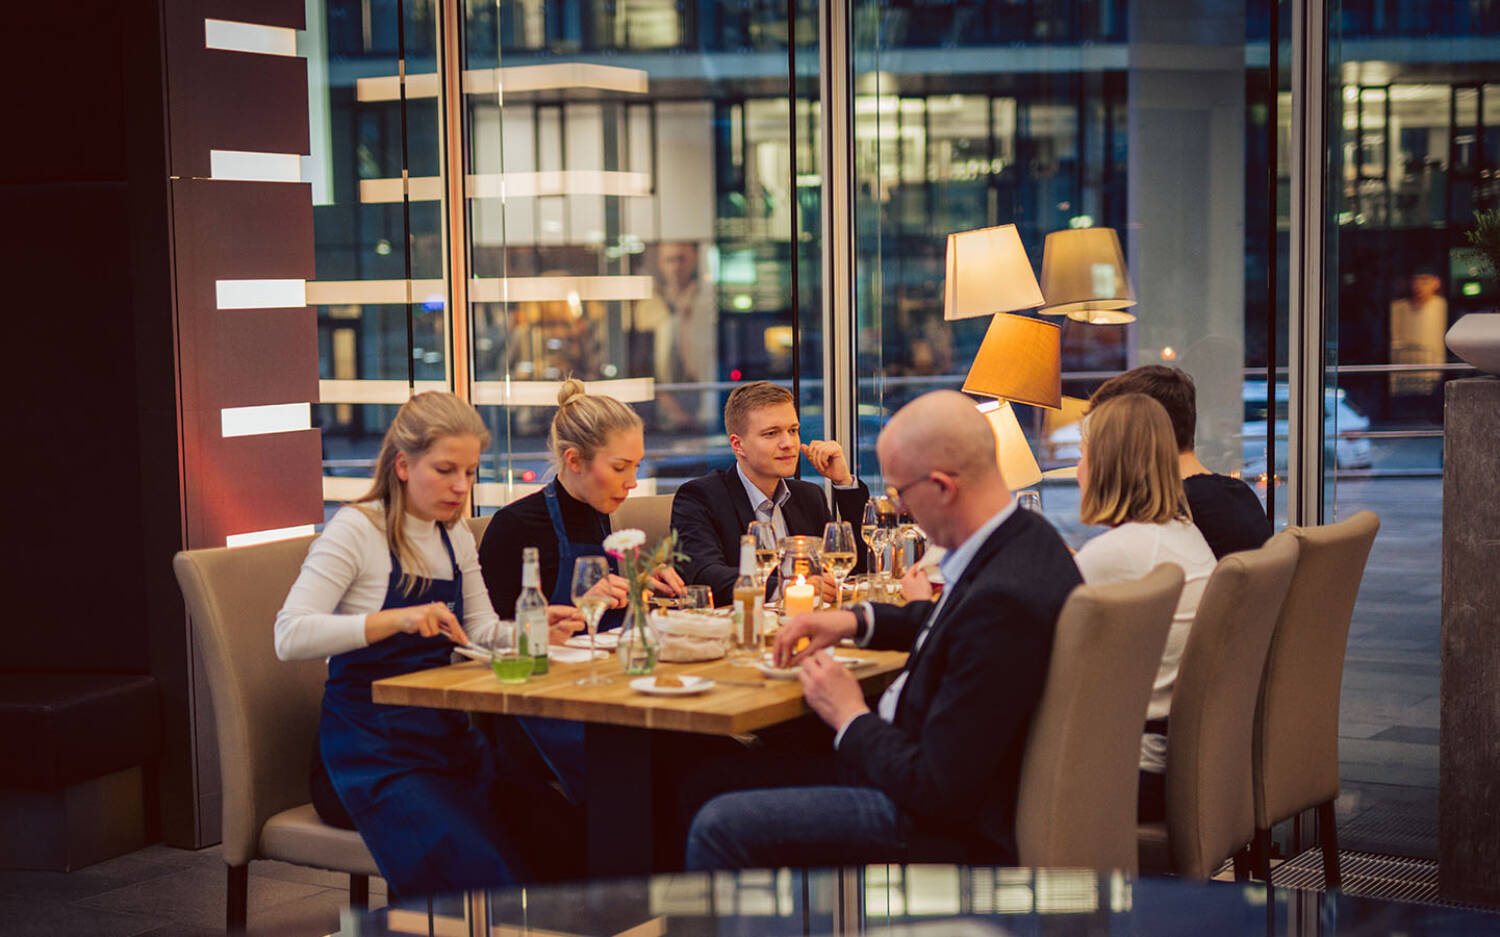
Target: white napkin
[573,655]
[604,639]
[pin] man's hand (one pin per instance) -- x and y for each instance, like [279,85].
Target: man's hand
[666,581]
[821,629]
[831,690]
[827,457]
[915,586]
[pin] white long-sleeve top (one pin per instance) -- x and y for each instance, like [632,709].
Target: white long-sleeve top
[1130,551]
[345,577]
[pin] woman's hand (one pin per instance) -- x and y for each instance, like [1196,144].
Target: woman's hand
[666,581]
[614,588]
[915,586]
[427,621]
[563,621]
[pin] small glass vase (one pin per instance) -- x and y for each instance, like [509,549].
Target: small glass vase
[639,641]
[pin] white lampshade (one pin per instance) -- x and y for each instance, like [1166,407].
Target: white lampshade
[1084,276]
[1017,465]
[988,272]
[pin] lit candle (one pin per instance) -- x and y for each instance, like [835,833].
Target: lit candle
[799,597]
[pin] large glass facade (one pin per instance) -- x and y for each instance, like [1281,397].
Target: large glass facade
[510,194]
[641,211]
[1414,151]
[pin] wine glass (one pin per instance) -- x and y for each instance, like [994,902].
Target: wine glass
[876,535]
[766,553]
[838,555]
[587,572]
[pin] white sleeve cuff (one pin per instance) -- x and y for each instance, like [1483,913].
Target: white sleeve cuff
[864,624]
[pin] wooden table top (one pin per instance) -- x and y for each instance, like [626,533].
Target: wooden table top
[728,708]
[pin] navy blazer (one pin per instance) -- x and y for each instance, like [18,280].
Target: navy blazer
[711,514]
[951,760]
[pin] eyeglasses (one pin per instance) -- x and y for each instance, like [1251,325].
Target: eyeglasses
[896,494]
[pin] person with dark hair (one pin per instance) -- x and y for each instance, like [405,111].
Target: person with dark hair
[711,513]
[1226,510]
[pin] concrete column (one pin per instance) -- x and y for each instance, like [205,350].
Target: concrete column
[1469,780]
[1186,233]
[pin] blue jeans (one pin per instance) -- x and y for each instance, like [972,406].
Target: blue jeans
[796,826]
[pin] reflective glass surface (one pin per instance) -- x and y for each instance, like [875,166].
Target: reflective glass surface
[885,899]
[1414,152]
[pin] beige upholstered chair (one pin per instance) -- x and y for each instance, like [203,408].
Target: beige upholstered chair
[1076,803]
[1210,810]
[477,527]
[1296,746]
[649,513]
[266,712]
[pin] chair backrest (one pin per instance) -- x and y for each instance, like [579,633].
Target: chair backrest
[477,526]
[266,710]
[649,513]
[1210,810]
[1296,748]
[1076,804]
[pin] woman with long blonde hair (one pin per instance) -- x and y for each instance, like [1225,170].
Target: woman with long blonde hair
[1130,482]
[391,585]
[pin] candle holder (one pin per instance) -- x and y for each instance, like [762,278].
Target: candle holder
[801,555]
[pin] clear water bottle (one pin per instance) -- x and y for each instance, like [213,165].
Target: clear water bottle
[531,611]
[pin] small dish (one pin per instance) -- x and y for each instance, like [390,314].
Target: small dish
[690,685]
[790,673]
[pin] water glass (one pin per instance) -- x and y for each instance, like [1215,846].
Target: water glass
[506,659]
[697,596]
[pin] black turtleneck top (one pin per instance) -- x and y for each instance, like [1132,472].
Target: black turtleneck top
[525,523]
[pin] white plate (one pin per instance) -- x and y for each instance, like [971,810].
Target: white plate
[690,685]
[790,673]
[559,654]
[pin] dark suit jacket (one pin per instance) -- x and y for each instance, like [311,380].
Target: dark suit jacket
[952,759]
[710,515]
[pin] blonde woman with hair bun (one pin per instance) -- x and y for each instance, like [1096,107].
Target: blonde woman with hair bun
[597,444]
[1128,474]
[391,585]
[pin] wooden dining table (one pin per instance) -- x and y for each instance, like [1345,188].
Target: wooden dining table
[623,729]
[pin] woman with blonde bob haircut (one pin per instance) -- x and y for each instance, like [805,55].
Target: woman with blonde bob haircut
[1129,476]
[391,585]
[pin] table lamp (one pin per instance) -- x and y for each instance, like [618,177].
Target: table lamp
[1020,359]
[988,272]
[1084,277]
[1017,465]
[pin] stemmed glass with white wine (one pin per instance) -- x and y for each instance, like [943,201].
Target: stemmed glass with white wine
[766,554]
[589,571]
[877,536]
[838,555]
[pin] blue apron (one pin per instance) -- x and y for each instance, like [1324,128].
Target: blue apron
[559,740]
[417,782]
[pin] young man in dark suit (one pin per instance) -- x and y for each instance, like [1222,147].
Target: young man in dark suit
[930,774]
[711,513]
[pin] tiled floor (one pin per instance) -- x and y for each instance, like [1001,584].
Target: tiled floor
[164,892]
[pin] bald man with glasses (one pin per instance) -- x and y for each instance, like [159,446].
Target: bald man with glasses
[931,773]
